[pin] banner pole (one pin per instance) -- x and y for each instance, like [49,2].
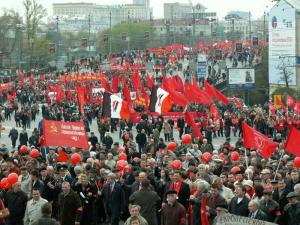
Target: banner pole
[278,165]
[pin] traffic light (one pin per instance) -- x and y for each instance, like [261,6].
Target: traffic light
[124,37]
[84,42]
[146,35]
[255,41]
[52,48]
[105,38]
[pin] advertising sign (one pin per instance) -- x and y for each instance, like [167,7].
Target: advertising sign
[241,78]
[282,42]
[201,66]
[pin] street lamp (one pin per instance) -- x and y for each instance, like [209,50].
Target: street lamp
[31,42]
[19,31]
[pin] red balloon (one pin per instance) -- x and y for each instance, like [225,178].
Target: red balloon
[206,157]
[121,165]
[172,146]
[235,169]
[222,156]
[176,164]
[235,156]
[122,156]
[126,137]
[4,183]
[34,153]
[297,162]
[186,138]
[12,178]
[23,149]
[75,158]
[121,149]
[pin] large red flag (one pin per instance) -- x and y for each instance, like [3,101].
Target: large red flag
[194,93]
[204,218]
[237,103]
[254,139]
[209,89]
[179,83]
[59,93]
[136,80]
[115,84]
[178,98]
[213,92]
[67,134]
[297,108]
[290,102]
[293,142]
[189,119]
[81,98]
[214,111]
[150,81]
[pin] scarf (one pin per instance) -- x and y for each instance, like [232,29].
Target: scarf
[177,188]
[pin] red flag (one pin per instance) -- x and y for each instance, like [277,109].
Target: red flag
[279,102]
[67,134]
[293,142]
[59,93]
[105,85]
[115,84]
[220,97]
[209,89]
[290,102]
[42,77]
[145,96]
[136,80]
[194,93]
[176,97]
[297,108]
[237,103]
[81,98]
[214,111]
[150,81]
[62,156]
[189,119]
[179,86]
[272,108]
[204,218]
[254,139]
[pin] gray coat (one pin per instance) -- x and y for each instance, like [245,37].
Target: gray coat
[149,201]
[45,220]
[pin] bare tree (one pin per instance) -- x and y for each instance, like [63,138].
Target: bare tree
[285,72]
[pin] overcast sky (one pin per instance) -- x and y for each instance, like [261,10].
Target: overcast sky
[256,7]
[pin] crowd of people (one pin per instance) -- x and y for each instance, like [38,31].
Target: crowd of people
[151,189]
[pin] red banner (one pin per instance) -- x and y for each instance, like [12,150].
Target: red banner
[66,134]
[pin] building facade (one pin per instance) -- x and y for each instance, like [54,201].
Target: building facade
[176,10]
[74,16]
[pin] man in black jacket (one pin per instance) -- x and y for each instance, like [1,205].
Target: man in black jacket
[46,216]
[239,204]
[15,200]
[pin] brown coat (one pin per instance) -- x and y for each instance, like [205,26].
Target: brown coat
[171,215]
[212,206]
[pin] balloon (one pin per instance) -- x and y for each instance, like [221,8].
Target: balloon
[12,178]
[121,165]
[235,156]
[126,137]
[75,159]
[176,164]
[23,149]
[122,156]
[235,169]
[186,138]
[121,149]
[222,156]
[297,162]
[4,183]
[172,146]
[206,157]
[34,153]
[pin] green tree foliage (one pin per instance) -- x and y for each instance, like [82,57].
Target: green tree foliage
[135,37]
[40,54]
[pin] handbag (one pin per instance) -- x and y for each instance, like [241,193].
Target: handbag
[4,213]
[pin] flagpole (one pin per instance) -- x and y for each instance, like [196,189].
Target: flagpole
[278,165]
[246,159]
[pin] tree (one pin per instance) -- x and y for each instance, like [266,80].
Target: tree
[285,73]
[34,13]
[41,54]
[9,22]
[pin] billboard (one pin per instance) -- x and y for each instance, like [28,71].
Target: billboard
[282,43]
[201,65]
[241,78]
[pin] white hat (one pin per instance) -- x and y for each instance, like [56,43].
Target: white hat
[248,183]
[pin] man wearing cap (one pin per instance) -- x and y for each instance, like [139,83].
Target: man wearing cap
[292,210]
[294,180]
[270,207]
[280,193]
[265,173]
[174,212]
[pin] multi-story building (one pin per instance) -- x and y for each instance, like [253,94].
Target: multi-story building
[74,16]
[176,10]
